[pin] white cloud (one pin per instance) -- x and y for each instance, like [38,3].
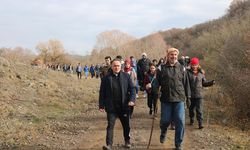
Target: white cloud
[77,22]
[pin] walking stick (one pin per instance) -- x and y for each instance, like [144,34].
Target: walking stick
[209,102]
[152,127]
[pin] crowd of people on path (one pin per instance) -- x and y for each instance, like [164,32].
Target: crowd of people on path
[93,70]
[176,82]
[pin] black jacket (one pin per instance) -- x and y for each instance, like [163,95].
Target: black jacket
[173,82]
[143,65]
[196,83]
[105,94]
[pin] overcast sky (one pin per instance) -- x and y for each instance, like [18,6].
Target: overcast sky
[76,23]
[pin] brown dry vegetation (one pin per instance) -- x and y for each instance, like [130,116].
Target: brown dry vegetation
[33,101]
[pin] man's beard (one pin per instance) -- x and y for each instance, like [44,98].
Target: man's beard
[172,61]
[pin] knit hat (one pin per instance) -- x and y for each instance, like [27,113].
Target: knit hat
[172,50]
[127,60]
[194,61]
[144,54]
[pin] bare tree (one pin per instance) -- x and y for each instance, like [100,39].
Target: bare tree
[51,51]
[112,39]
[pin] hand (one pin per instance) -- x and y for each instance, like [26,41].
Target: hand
[131,103]
[159,94]
[101,110]
[213,81]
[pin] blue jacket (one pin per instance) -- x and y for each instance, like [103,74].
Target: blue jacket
[106,90]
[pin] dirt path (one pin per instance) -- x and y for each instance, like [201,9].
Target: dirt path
[140,132]
[88,130]
[215,137]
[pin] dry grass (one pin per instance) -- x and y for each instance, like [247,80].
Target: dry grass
[32,99]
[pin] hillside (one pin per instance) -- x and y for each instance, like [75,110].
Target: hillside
[45,109]
[33,100]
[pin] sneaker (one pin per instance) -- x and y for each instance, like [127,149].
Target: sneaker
[172,127]
[107,147]
[137,96]
[162,138]
[127,144]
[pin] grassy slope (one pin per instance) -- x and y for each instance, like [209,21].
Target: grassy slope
[32,98]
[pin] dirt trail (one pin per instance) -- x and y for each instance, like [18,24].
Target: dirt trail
[216,137]
[140,131]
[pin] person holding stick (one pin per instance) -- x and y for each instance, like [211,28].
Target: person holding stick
[197,81]
[174,90]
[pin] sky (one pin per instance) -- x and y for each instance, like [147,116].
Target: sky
[76,23]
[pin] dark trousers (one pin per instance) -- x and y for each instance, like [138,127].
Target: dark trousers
[197,104]
[79,75]
[141,77]
[92,74]
[125,121]
[152,101]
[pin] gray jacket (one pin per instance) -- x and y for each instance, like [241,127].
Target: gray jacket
[197,83]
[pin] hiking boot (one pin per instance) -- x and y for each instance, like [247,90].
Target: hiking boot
[201,126]
[150,111]
[107,147]
[178,147]
[127,144]
[191,122]
[162,138]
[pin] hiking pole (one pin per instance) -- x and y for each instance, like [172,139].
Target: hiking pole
[152,127]
[209,102]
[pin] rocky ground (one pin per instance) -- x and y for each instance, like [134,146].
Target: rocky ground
[45,109]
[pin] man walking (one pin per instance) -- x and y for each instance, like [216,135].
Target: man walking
[142,69]
[116,95]
[174,89]
[104,70]
[79,71]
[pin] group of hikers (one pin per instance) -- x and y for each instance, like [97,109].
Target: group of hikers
[175,82]
[93,70]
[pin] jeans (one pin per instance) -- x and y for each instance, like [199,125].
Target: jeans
[86,74]
[125,121]
[173,111]
[196,103]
